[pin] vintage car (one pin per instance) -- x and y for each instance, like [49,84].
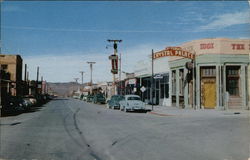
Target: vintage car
[99,98]
[114,101]
[84,98]
[132,103]
[89,98]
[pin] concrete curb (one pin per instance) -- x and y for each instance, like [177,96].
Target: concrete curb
[161,114]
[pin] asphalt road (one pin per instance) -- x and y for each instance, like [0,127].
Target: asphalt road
[68,129]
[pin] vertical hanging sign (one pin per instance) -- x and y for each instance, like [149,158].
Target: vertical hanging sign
[114,63]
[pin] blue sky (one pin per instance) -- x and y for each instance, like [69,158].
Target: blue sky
[60,36]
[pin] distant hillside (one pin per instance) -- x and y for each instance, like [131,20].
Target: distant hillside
[64,89]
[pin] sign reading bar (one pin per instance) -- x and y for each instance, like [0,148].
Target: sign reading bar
[174,51]
[114,63]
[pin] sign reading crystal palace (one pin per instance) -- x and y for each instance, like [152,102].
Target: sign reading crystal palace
[174,51]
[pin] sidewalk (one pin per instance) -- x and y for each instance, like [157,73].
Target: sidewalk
[174,111]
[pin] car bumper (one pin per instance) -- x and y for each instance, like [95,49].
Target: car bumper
[135,108]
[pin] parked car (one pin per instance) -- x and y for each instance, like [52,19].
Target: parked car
[99,98]
[13,104]
[81,96]
[114,101]
[32,99]
[132,103]
[84,98]
[90,98]
[26,104]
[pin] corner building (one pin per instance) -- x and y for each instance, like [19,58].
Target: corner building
[221,75]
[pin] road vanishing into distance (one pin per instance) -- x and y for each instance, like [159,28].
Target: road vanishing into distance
[69,129]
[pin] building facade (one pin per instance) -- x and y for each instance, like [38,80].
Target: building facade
[219,78]
[12,64]
[159,92]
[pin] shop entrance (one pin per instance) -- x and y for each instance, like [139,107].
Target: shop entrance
[208,87]
[233,87]
[209,94]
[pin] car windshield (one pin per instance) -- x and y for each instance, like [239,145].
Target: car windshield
[134,98]
[99,96]
[117,97]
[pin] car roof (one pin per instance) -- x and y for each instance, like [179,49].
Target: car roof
[131,95]
[117,95]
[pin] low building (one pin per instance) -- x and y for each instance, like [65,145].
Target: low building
[159,93]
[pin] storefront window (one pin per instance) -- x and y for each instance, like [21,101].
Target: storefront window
[181,81]
[208,72]
[173,82]
[233,80]
[162,90]
[166,87]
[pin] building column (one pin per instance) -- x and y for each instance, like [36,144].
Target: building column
[218,87]
[224,88]
[170,87]
[248,77]
[243,86]
[186,90]
[177,88]
[197,92]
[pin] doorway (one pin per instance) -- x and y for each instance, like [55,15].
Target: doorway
[208,87]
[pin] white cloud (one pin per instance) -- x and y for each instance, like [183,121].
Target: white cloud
[229,19]
[63,68]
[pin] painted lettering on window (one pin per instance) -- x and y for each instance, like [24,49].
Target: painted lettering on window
[206,46]
[238,46]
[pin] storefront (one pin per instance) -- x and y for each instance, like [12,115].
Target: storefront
[221,71]
[159,92]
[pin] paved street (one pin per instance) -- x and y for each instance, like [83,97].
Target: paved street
[70,129]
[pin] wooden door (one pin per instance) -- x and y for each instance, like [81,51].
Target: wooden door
[209,99]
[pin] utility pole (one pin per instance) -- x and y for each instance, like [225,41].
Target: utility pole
[27,76]
[91,70]
[120,75]
[82,76]
[76,79]
[25,73]
[37,79]
[194,82]
[42,84]
[152,79]
[114,41]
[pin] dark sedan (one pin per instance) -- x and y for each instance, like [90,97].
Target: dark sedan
[99,98]
[114,102]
